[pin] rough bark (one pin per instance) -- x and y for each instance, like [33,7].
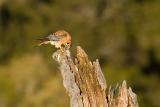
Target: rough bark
[86,85]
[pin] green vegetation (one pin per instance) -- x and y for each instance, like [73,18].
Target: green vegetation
[123,34]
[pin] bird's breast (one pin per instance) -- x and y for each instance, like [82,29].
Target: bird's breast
[55,43]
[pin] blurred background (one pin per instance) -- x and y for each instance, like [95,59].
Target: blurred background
[123,34]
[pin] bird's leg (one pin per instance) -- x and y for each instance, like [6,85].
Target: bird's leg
[61,51]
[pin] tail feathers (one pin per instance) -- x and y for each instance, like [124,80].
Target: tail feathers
[43,41]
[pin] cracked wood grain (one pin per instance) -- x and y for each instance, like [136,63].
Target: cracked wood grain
[86,85]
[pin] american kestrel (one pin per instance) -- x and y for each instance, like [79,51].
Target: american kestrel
[59,39]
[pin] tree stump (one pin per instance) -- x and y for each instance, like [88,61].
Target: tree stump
[86,85]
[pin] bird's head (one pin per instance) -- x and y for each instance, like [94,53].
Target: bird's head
[63,37]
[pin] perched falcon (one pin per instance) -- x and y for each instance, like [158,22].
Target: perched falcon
[59,39]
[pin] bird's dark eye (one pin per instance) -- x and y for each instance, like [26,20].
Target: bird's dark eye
[68,43]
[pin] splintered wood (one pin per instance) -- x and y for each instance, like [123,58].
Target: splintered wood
[86,85]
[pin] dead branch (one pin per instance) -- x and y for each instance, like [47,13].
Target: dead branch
[86,85]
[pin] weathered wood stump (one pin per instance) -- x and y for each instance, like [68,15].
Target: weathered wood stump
[86,85]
